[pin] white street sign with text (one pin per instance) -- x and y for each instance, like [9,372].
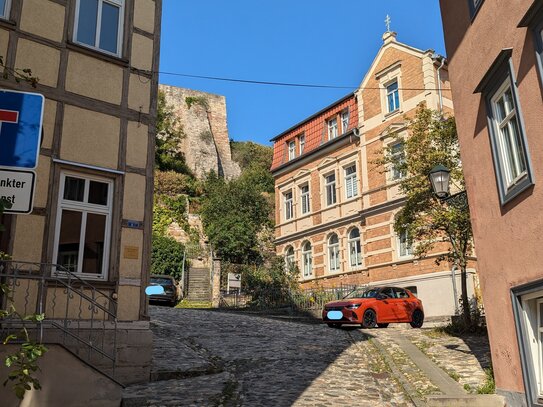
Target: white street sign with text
[17,187]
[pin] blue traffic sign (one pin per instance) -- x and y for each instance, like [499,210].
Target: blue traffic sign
[21,115]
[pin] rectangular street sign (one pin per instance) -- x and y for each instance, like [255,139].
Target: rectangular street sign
[17,187]
[21,116]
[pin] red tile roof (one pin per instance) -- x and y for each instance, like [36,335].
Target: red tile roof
[314,129]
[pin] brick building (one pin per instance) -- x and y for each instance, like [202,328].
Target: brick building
[335,206]
[495,50]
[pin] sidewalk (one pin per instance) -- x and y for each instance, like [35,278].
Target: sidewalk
[436,369]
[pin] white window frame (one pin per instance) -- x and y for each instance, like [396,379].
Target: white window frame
[332,128]
[291,150]
[307,260]
[517,153]
[334,260]
[305,199]
[351,182]
[408,248]
[345,117]
[525,301]
[290,258]
[96,46]
[302,144]
[289,204]
[85,209]
[395,173]
[330,189]
[389,93]
[6,12]
[356,244]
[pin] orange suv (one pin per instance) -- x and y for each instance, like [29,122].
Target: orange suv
[377,306]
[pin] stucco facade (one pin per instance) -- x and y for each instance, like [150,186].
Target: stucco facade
[98,132]
[335,205]
[494,49]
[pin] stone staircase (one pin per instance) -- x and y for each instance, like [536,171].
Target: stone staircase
[199,284]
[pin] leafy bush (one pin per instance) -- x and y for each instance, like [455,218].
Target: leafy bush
[167,256]
[270,286]
[172,184]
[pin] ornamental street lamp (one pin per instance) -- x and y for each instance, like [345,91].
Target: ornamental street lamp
[440,178]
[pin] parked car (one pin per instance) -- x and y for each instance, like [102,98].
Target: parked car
[171,290]
[377,306]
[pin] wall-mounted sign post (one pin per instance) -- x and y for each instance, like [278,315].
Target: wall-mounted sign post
[21,117]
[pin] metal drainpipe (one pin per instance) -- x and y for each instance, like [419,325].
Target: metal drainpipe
[439,85]
[455,292]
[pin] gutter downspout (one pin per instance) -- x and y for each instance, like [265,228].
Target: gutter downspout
[454,269]
[439,85]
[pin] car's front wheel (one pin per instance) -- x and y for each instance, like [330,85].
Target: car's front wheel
[417,319]
[369,319]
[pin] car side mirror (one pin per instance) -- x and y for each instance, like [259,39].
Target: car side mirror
[381,297]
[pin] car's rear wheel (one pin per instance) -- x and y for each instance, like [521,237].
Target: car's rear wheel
[369,319]
[383,325]
[331,325]
[417,319]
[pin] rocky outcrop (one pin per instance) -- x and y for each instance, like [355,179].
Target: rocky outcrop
[206,144]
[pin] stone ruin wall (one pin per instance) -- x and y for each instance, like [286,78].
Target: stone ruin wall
[206,144]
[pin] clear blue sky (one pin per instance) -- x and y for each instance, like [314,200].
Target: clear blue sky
[296,41]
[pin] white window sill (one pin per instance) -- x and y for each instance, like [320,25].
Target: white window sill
[391,114]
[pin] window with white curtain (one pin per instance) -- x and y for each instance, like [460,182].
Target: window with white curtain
[333,253]
[304,197]
[355,248]
[351,182]
[307,259]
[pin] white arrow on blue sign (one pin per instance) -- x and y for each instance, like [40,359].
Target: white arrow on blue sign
[21,116]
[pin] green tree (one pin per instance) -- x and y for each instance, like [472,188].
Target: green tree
[233,213]
[168,157]
[167,256]
[433,140]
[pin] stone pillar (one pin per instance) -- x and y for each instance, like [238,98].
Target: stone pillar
[216,282]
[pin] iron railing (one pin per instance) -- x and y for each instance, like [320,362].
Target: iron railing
[276,297]
[78,316]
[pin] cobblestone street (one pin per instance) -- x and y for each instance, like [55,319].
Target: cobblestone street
[209,358]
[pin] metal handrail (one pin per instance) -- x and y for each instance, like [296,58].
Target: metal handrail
[86,334]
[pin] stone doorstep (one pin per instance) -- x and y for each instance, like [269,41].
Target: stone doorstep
[480,400]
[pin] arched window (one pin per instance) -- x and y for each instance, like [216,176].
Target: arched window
[307,259]
[333,253]
[289,257]
[355,249]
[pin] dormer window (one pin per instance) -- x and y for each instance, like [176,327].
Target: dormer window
[301,141]
[393,97]
[291,150]
[344,121]
[332,129]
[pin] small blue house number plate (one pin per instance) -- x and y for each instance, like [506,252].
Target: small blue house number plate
[335,315]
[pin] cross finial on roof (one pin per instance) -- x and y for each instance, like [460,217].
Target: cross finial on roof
[387,22]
